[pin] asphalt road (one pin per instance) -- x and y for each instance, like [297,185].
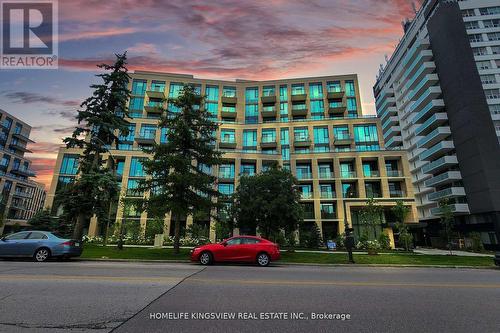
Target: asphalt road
[131,297]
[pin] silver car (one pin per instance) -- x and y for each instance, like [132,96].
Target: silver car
[40,245]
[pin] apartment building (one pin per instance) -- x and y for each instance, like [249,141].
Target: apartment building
[312,126]
[21,197]
[438,96]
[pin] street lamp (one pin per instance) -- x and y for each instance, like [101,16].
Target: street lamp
[349,239]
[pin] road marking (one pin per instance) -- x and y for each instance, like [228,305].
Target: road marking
[346,283]
[89,278]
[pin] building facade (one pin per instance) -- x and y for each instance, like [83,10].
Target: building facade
[313,126]
[21,197]
[438,97]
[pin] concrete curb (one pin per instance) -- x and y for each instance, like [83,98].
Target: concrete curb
[291,264]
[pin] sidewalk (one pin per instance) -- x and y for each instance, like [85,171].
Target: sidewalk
[438,252]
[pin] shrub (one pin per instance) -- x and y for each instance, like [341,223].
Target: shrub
[384,241]
[477,244]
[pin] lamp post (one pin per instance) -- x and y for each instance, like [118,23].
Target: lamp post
[349,239]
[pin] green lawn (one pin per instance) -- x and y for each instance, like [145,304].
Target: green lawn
[95,251]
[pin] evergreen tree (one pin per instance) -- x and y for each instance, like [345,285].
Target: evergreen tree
[101,119]
[179,179]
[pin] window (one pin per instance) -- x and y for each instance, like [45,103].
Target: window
[495,49]
[373,190]
[229,91]
[483,64]
[347,170]
[212,108]
[284,111]
[303,171]
[7,123]
[493,36]
[472,25]
[212,93]
[341,132]
[268,91]
[226,171]
[119,167]
[251,113]
[321,135]
[284,136]
[495,109]
[18,128]
[349,190]
[268,135]
[249,138]
[489,10]
[349,88]
[492,93]
[325,171]
[478,51]
[130,136]
[326,191]
[247,169]
[468,13]
[175,89]
[6,160]
[285,153]
[69,165]
[37,235]
[164,135]
[487,79]
[283,93]
[298,89]
[327,211]
[136,168]
[475,38]
[148,131]
[136,104]
[234,241]
[138,87]
[352,108]
[306,191]
[226,189]
[315,91]
[249,241]
[301,134]
[365,133]
[158,86]
[227,136]
[252,95]
[491,23]
[317,106]
[334,86]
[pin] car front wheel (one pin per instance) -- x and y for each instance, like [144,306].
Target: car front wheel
[42,255]
[263,259]
[206,258]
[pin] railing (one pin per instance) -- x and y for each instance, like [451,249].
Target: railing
[304,175]
[326,175]
[394,173]
[397,194]
[327,195]
[371,173]
[348,174]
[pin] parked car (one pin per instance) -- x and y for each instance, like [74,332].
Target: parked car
[40,245]
[249,249]
[497,258]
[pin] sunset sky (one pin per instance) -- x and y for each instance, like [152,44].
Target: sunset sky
[244,39]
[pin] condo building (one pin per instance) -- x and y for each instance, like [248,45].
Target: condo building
[21,197]
[312,126]
[438,97]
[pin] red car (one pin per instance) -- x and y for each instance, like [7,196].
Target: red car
[238,249]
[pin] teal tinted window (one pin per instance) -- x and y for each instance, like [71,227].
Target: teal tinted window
[136,168]
[148,131]
[158,86]
[119,168]
[285,153]
[341,132]
[269,135]
[226,171]
[284,136]
[298,89]
[251,113]
[268,91]
[252,95]
[249,138]
[69,165]
[247,169]
[175,89]
[301,133]
[229,92]
[136,104]
[365,133]
[334,86]
[212,93]
[315,91]
[212,108]
[349,89]
[138,87]
[163,135]
[283,93]
[226,189]
[131,134]
[227,135]
[321,135]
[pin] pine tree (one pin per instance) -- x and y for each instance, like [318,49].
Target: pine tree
[101,119]
[179,179]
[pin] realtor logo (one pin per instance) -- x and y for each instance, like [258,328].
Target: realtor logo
[29,34]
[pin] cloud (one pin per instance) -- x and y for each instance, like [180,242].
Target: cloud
[94,34]
[24,97]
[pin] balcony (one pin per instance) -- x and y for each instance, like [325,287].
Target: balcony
[397,194]
[22,171]
[451,192]
[348,174]
[392,131]
[269,111]
[337,110]
[394,173]
[301,142]
[18,146]
[227,144]
[457,208]
[325,175]
[395,141]
[434,137]
[22,137]
[428,110]
[440,164]
[328,215]
[343,140]
[153,109]
[371,173]
[147,139]
[268,143]
[391,121]
[299,97]
[335,94]
[306,195]
[228,113]
[308,215]
[438,150]
[156,94]
[299,110]
[304,175]
[22,194]
[271,99]
[436,119]
[229,99]
[444,178]
[327,195]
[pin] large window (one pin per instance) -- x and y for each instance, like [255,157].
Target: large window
[138,87]
[136,168]
[252,95]
[268,91]
[249,138]
[175,89]
[268,135]
[148,131]
[130,136]
[212,93]
[229,92]
[136,104]
[321,135]
[251,113]
[315,91]
[69,165]
[341,132]
[365,133]
[227,135]
[247,169]
[283,93]
[301,134]
[352,108]
[349,89]
[284,136]
[226,189]
[158,86]
[226,171]
[298,89]
[333,86]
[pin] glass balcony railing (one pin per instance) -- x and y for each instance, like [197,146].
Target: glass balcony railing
[397,194]
[327,195]
[304,175]
[371,173]
[394,173]
[325,175]
[306,195]
[348,174]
